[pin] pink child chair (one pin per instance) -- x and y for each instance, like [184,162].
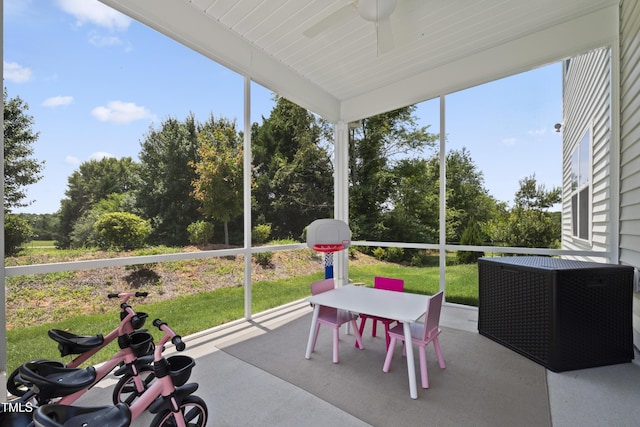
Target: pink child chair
[421,335]
[333,318]
[387,284]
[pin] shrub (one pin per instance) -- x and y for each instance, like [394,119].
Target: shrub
[263,258]
[200,232]
[394,254]
[121,230]
[471,236]
[378,253]
[83,233]
[261,233]
[353,252]
[424,258]
[17,232]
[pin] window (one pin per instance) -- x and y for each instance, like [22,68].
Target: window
[581,187]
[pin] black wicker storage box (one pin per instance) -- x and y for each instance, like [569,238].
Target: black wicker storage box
[561,314]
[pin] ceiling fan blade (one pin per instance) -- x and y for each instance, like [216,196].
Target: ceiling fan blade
[384,34]
[406,21]
[335,18]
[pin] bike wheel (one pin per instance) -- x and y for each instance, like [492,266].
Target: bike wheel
[192,408]
[126,391]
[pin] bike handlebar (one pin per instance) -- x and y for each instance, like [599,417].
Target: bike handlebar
[175,338]
[128,294]
[128,317]
[135,317]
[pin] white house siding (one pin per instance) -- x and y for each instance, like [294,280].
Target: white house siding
[630,143]
[587,108]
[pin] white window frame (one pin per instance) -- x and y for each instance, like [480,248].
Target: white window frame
[581,180]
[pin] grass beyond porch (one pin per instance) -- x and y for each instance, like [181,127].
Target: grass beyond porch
[188,314]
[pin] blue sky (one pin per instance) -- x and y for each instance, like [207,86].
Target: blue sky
[508,127]
[96,81]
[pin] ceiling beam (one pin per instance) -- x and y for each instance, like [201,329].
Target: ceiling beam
[190,26]
[560,41]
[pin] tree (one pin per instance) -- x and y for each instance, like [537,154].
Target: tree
[17,231]
[529,224]
[44,225]
[219,183]
[416,198]
[293,174]
[373,146]
[467,198]
[415,201]
[92,182]
[20,169]
[534,196]
[163,193]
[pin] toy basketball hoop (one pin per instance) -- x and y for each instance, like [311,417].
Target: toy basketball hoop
[328,235]
[328,248]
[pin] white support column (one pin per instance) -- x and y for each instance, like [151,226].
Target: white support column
[341,196]
[443,194]
[247,198]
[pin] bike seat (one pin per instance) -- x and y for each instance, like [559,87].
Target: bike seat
[70,343]
[49,381]
[64,415]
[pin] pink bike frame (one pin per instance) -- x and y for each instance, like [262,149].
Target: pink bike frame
[162,386]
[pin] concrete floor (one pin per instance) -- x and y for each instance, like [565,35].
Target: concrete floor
[239,394]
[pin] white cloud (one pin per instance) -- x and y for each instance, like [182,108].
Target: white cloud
[98,40]
[15,72]
[98,155]
[57,101]
[101,41]
[101,155]
[72,160]
[540,131]
[95,13]
[509,141]
[120,112]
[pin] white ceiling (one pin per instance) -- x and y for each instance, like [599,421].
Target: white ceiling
[440,45]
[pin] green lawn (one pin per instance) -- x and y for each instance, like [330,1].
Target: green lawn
[39,244]
[462,280]
[197,312]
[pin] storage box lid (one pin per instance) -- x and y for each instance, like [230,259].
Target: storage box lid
[543,262]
